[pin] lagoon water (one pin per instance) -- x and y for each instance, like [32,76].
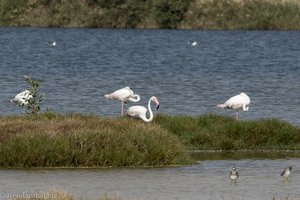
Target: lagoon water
[207,180]
[88,63]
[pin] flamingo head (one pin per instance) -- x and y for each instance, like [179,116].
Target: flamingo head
[154,99]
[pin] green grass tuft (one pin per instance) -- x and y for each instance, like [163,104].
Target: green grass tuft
[212,132]
[53,140]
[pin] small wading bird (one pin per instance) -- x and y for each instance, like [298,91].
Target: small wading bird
[234,175]
[286,173]
[124,95]
[22,98]
[238,102]
[141,111]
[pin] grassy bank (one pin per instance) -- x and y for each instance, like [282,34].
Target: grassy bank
[212,132]
[194,14]
[52,140]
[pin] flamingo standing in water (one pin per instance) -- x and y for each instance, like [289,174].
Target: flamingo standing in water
[22,98]
[141,111]
[237,103]
[124,95]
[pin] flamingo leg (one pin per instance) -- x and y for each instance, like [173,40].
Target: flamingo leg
[122,108]
[237,115]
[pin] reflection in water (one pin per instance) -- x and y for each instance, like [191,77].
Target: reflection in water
[207,179]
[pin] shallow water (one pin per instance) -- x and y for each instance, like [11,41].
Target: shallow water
[88,63]
[208,179]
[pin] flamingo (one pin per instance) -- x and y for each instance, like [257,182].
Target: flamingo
[124,95]
[22,98]
[141,111]
[237,103]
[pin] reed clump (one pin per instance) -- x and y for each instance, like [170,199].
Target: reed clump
[54,140]
[213,132]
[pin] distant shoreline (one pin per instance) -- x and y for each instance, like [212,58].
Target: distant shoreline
[180,14]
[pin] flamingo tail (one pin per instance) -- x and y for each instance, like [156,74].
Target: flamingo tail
[221,106]
[107,96]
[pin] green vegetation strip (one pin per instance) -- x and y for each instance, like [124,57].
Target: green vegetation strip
[55,140]
[191,14]
[212,132]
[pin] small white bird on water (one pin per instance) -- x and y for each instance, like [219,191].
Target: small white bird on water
[141,111]
[22,98]
[194,43]
[234,175]
[53,43]
[237,103]
[286,172]
[124,95]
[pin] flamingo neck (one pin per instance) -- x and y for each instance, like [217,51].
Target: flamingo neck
[150,112]
[134,98]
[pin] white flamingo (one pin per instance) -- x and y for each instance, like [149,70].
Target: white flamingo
[22,98]
[141,111]
[237,103]
[124,95]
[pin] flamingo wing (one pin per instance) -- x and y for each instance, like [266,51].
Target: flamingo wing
[137,111]
[22,98]
[122,94]
[235,102]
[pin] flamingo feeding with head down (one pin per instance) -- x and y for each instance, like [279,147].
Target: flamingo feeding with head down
[124,95]
[141,111]
[22,99]
[238,102]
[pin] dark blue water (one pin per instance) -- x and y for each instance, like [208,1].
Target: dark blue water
[88,63]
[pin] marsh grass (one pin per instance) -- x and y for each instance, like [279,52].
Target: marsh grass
[212,132]
[243,14]
[54,140]
[195,14]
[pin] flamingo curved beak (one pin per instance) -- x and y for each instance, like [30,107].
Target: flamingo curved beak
[157,107]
